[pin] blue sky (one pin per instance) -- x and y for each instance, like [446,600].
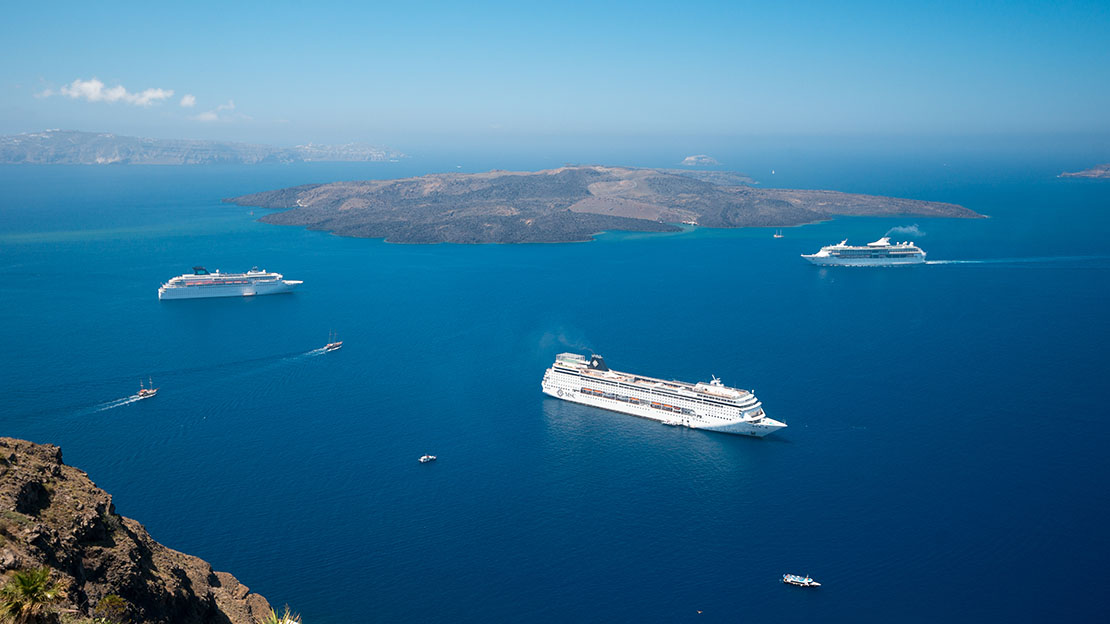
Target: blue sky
[445,73]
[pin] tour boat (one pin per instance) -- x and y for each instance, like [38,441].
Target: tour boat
[427,458]
[800,581]
[333,344]
[146,393]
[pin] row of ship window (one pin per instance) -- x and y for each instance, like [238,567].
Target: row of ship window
[635,401]
[664,393]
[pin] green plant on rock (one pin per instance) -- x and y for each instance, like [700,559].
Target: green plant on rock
[113,609]
[29,596]
[285,617]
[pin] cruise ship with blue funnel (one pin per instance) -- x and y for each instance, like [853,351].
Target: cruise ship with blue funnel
[704,405]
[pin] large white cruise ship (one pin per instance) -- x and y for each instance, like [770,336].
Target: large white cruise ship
[878,253]
[201,283]
[711,405]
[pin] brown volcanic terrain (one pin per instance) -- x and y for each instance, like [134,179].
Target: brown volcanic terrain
[560,205]
[52,515]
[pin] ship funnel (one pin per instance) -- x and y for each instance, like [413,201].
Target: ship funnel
[598,363]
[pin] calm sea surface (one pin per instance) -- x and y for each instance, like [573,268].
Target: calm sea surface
[946,456]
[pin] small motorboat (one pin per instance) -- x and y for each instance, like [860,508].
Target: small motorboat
[800,581]
[146,393]
[333,344]
[427,458]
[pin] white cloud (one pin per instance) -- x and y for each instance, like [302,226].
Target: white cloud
[95,91]
[214,115]
[188,101]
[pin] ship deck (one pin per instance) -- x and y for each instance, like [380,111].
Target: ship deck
[650,383]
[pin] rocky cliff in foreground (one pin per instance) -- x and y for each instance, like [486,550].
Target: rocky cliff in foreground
[562,205]
[52,515]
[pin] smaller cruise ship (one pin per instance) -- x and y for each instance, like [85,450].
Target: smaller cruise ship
[879,253]
[205,284]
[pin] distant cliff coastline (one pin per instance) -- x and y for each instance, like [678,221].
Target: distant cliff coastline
[1098,171]
[68,147]
[561,205]
[52,515]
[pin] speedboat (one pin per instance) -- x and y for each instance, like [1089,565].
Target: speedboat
[800,581]
[427,458]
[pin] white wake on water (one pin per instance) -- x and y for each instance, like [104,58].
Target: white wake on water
[1032,260]
[117,403]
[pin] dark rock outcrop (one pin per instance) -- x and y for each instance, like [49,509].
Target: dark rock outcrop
[51,514]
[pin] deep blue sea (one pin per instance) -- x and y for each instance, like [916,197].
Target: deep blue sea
[946,457]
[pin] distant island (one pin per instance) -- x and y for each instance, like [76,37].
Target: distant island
[701,160]
[561,205]
[69,147]
[1098,171]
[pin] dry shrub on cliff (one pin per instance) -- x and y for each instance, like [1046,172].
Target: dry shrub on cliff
[285,617]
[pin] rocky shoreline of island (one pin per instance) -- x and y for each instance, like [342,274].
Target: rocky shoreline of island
[1101,172]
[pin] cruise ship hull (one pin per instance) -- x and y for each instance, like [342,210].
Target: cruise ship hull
[562,386]
[229,290]
[871,262]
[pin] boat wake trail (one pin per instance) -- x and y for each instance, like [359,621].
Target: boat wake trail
[107,405]
[1048,260]
[232,370]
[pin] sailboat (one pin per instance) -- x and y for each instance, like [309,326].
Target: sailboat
[333,344]
[778,233]
[146,393]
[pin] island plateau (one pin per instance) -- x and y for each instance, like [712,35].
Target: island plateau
[561,205]
[53,516]
[1098,171]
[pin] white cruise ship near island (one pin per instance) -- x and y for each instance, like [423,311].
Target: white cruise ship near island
[201,284]
[704,405]
[879,253]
